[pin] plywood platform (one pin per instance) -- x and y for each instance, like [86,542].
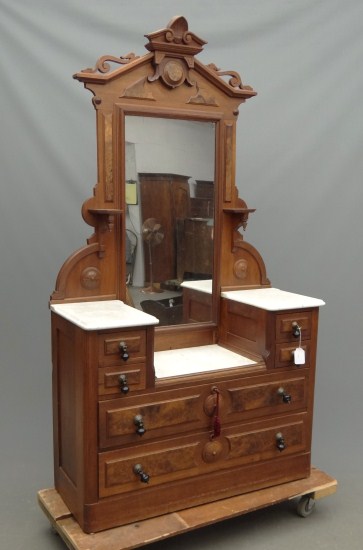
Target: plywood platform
[134,535]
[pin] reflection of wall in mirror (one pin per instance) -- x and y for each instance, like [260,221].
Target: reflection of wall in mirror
[157,145]
[133,222]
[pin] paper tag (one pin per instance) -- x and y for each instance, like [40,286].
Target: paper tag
[299,356]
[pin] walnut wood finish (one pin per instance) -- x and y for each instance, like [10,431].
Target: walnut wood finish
[194,447]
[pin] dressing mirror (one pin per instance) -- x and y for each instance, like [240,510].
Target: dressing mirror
[169,173]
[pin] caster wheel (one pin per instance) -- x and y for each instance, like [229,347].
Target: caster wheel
[305,506]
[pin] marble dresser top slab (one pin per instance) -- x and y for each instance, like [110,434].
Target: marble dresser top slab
[204,285]
[102,315]
[272,299]
[181,362]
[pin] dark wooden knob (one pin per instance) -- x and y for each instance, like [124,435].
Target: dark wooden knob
[286,397]
[139,423]
[280,442]
[138,470]
[123,384]
[123,351]
[296,330]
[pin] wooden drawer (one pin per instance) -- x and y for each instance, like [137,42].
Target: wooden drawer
[284,329]
[162,414]
[109,383]
[284,354]
[278,396]
[190,456]
[109,347]
[254,443]
[162,462]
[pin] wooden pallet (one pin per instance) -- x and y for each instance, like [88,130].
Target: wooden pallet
[141,533]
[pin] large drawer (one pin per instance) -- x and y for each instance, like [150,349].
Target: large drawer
[196,455]
[162,414]
[280,395]
[184,410]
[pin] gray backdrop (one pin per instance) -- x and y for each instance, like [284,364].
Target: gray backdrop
[299,162]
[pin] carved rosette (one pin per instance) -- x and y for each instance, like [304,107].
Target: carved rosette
[240,269]
[173,73]
[91,278]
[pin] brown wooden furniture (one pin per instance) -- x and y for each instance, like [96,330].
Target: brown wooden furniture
[149,420]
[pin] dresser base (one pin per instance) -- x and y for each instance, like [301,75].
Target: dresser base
[134,535]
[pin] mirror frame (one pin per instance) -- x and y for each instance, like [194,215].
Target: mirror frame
[125,110]
[167,82]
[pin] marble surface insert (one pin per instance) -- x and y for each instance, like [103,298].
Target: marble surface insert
[103,314]
[272,299]
[204,285]
[199,359]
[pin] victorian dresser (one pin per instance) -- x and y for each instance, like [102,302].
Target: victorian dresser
[152,419]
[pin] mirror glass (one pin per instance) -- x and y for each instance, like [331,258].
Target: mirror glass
[170,174]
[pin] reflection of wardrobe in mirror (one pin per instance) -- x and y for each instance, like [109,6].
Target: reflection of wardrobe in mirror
[187,222]
[149,420]
[165,197]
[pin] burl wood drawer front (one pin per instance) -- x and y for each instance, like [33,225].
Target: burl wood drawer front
[194,456]
[279,396]
[177,412]
[284,327]
[109,347]
[284,354]
[109,378]
[285,436]
[117,474]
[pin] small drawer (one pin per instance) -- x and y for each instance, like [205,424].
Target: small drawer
[284,326]
[109,378]
[284,354]
[109,346]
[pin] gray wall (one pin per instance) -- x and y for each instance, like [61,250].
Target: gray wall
[299,162]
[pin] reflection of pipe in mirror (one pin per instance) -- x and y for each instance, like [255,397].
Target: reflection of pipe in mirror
[159,154]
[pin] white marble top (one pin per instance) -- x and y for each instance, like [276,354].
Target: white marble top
[102,315]
[181,362]
[204,285]
[272,299]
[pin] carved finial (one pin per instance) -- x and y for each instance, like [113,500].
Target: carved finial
[179,26]
[175,38]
